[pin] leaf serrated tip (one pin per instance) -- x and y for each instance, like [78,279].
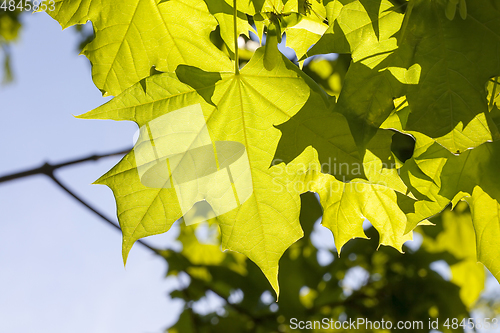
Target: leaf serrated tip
[272,277]
[399,248]
[339,249]
[99,181]
[81,116]
[126,250]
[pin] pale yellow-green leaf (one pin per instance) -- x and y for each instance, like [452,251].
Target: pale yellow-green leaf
[134,35]
[347,205]
[241,108]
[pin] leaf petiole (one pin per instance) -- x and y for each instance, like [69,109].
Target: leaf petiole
[236,56]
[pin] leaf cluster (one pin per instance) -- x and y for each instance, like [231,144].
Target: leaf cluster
[403,124]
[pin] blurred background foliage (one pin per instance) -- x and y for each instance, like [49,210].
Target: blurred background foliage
[364,282]
[10,25]
[225,292]
[438,278]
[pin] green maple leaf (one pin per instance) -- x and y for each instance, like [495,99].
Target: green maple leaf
[347,205]
[223,12]
[300,37]
[358,27]
[305,28]
[241,108]
[328,132]
[317,143]
[451,88]
[132,36]
[437,177]
[365,29]
[446,92]
[416,68]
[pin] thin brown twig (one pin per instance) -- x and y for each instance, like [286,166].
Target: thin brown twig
[95,211]
[48,170]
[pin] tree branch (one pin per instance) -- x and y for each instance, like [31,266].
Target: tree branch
[95,211]
[48,169]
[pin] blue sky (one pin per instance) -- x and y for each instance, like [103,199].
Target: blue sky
[60,266]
